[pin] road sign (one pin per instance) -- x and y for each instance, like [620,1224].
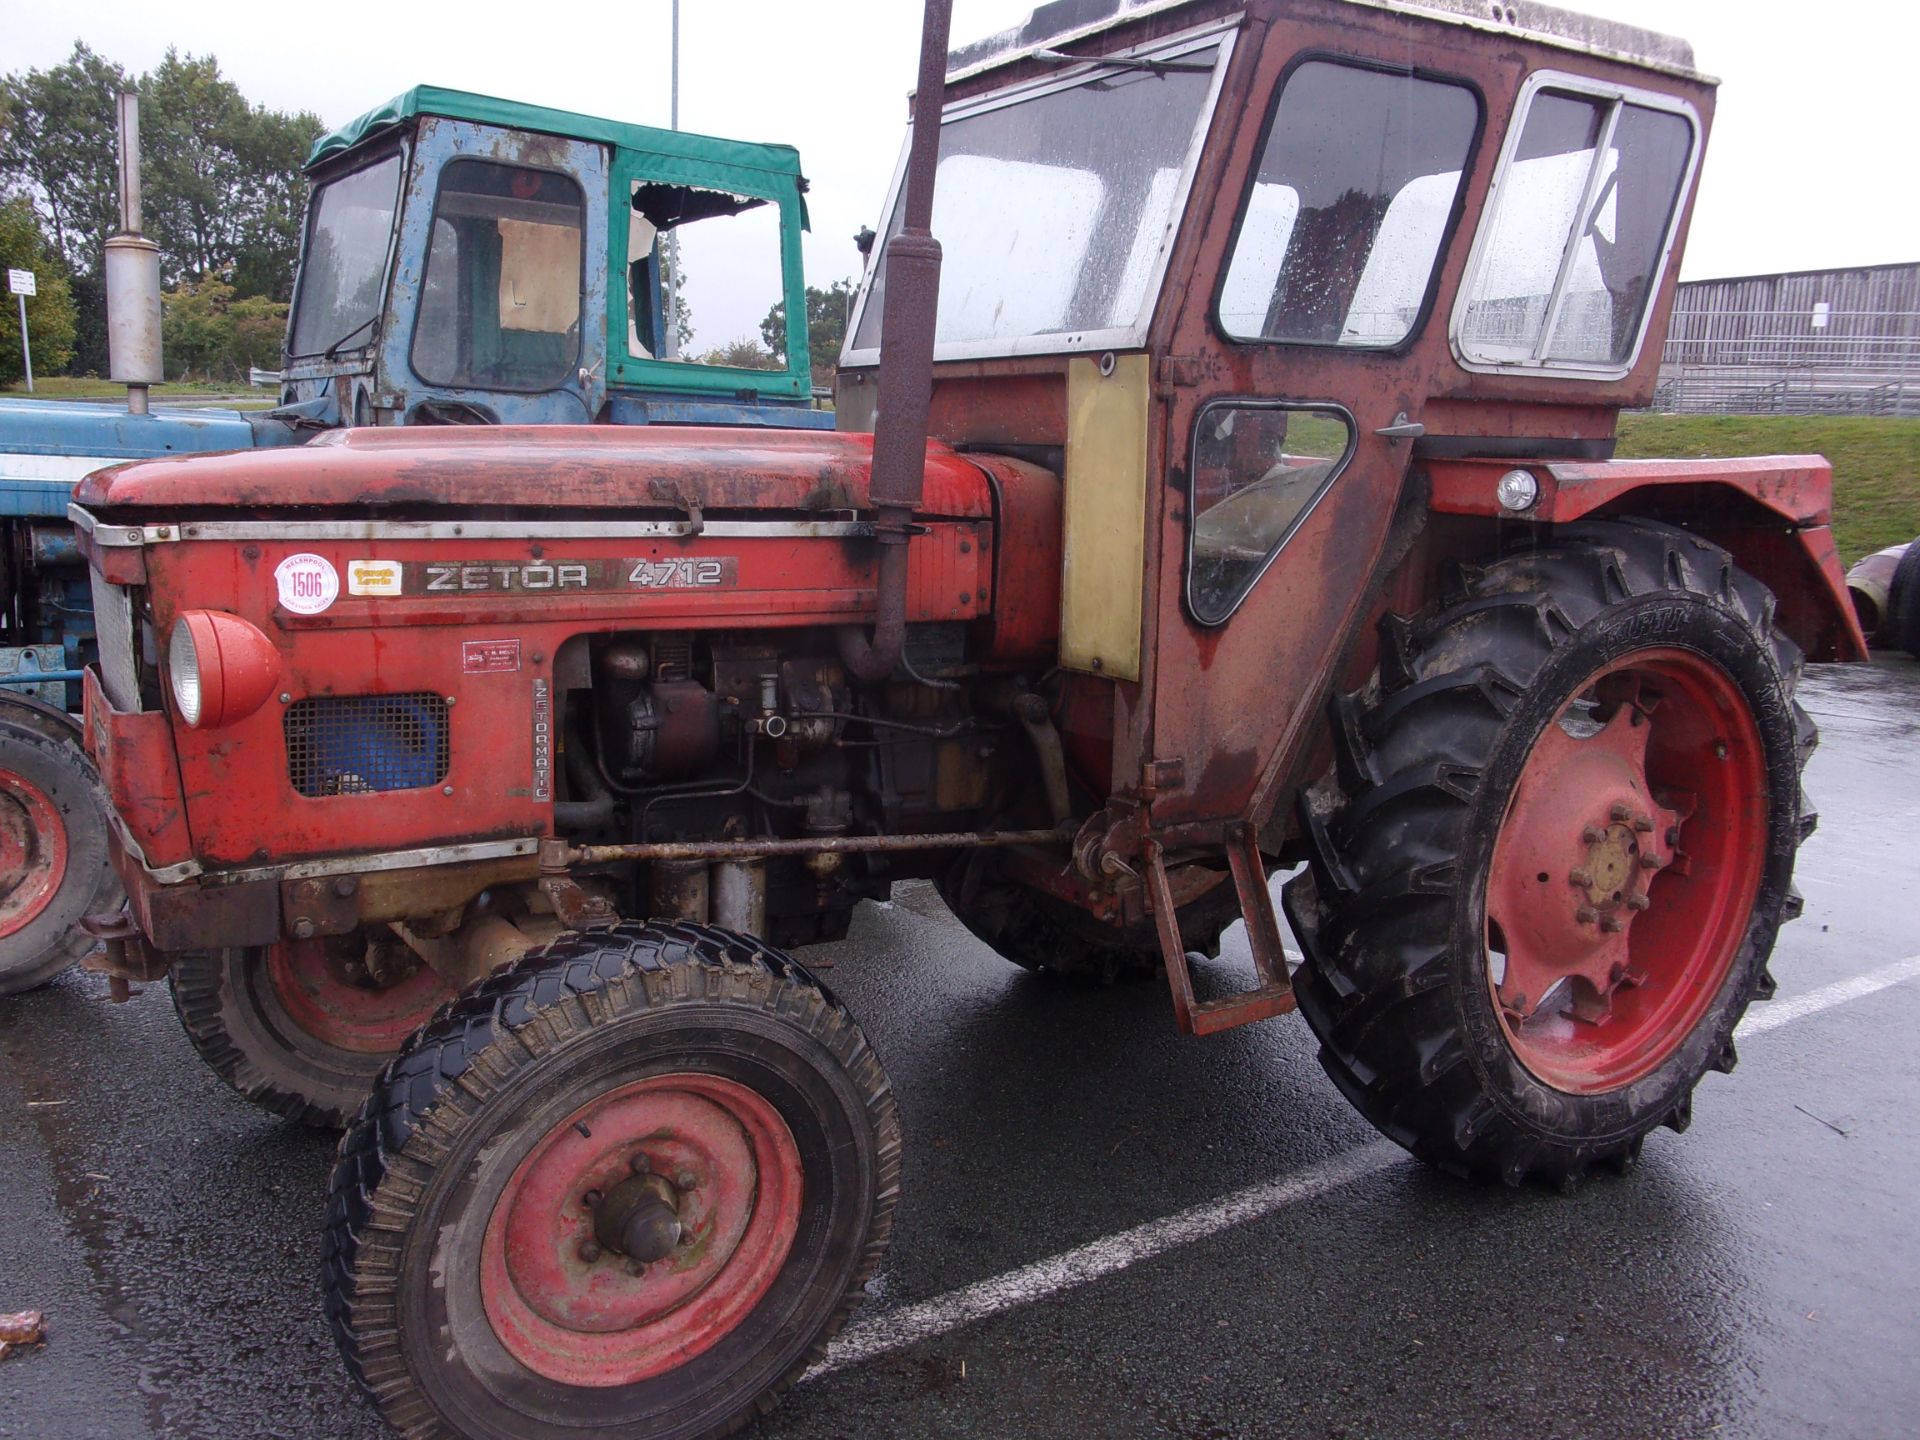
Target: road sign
[20,282]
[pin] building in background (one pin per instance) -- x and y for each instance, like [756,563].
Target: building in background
[1814,342]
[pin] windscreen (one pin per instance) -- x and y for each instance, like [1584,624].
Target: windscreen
[345,263]
[1052,206]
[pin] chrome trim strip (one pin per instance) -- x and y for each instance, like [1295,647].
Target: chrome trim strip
[345,865]
[297,531]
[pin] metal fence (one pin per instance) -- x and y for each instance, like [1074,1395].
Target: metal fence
[1821,342]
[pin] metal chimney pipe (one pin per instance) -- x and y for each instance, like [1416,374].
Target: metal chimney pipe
[133,277]
[906,362]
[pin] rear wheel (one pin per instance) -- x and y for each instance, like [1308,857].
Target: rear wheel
[1547,883]
[301,1028]
[632,1183]
[54,865]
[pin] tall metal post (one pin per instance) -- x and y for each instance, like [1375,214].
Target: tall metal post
[673,238]
[26,350]
[133,277]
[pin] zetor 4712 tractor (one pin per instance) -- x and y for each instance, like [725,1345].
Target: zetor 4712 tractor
[1272,351]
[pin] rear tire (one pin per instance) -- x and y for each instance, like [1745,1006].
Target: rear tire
[1902,628]
[1456,867]
[463,1267]
[54,861]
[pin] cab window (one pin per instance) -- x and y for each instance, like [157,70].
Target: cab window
[501,298]
[727,252]
[1580,223]
[1345,220]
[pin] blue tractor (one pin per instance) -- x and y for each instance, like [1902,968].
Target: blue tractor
[467,261]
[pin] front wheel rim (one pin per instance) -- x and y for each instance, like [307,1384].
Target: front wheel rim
[33,853]
[569,1305]
[1625,871]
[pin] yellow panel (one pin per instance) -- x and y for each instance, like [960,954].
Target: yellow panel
[1104,569]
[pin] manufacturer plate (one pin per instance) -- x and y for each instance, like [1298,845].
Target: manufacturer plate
[486,577]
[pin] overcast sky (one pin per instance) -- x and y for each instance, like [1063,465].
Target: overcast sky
[1811,163]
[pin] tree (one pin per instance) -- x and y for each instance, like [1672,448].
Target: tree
[49,310]
[827,312]
[742,354]
[58,146]
[210,332]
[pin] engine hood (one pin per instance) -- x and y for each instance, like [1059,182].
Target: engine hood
[546,467]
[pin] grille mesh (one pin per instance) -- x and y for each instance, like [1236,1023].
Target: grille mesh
[365,744]
[113,630]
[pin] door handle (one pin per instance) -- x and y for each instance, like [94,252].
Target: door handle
[1401,429]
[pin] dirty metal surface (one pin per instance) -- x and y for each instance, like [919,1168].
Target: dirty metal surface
[1753,1280]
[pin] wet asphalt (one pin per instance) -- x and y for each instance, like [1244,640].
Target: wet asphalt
[1755,1277]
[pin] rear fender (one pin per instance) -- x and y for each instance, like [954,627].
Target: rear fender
[1772,513]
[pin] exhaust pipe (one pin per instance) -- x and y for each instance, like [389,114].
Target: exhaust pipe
[906,371]
[133,278]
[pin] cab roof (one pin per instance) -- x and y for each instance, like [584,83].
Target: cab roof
[1067,20]
[780,160]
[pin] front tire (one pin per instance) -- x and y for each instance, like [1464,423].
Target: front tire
[1549,873]
[670,1082]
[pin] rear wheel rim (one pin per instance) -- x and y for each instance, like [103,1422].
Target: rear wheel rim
[312,985]
[571,1309]
[33,852]
[1626,868]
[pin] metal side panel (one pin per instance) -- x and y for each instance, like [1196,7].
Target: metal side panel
[1105,519]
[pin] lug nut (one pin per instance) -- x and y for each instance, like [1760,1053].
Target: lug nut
[589,1252]
[1592,835]
[591,1199]
[641,1165]
[1586,915]
[1618,812]
[636,1267]
[1643,823]
[1612,924]
[684,1180]
[303,928]
[1650,861]
[1638,902]
[1582,878]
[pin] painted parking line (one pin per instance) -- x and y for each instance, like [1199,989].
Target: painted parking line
[906,1325]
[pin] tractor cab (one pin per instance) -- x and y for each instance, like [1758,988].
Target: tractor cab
[473,260]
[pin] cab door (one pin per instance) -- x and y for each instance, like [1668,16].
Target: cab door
[500,280]
[1300,359]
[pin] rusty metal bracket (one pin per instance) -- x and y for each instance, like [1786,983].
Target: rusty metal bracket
[127,956]
[577,907]
[1274,994]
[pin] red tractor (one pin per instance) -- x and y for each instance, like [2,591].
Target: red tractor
[473,783]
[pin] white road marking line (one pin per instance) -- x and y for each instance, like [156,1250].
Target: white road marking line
[1784,1012]
[906,1325]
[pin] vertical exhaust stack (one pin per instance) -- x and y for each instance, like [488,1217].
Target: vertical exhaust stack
[906,363]
[133,278]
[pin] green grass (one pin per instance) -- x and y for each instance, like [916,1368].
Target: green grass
[67,387]
[1876,462]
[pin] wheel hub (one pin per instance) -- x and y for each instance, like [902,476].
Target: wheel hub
[640,1217]
[1605,945]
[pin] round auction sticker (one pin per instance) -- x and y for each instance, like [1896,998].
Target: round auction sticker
[308,583]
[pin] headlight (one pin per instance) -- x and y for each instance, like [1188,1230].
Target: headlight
[221,668]
[183,667]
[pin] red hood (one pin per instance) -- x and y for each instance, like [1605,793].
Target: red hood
[599,467]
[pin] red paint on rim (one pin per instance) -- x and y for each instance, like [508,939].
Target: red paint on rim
[1626,870]
[33,852]
[312,987]
[591,1322]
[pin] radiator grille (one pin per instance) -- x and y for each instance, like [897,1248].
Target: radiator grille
[364,744]
[113,625]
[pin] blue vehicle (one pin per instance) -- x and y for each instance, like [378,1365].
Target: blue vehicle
[467,261]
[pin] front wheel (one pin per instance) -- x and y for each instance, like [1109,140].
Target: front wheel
[54,866]
[1547,884]
[631,1184]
